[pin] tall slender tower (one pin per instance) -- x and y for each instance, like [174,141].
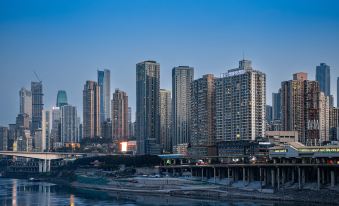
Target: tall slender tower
[182,77]
[37,105]
[165,120]
[120,115]
[25,102]
[203,116]
[148,108]
[91,110]
[104,82]
[323,76]
[276,105]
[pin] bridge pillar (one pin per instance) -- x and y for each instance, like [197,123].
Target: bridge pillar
[332,178]
[278,177]
[260,177]
[303,175]
[273,177]
[40,167]
[283,173]
[214,175]
[293,173]
[202,174]
[244,175]
[299,178]
[45,166]
[318,177]
[228,173]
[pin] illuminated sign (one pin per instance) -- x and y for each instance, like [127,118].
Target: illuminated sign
[123,146]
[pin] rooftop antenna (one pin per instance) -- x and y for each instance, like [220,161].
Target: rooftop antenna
[37,77]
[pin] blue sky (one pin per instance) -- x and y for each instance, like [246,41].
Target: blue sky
[65,42]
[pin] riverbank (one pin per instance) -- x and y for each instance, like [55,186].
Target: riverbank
[208,191]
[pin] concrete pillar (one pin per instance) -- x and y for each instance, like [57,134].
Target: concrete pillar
[292,178]
[299,178]
[318,177]
[260,177]
[244,174]
[273,177]
[202,174]
[283,173]
[278,177]
[40,166]
[323,176]
[332,178]
[228,173]
[303,176]
[214,175]
[45,166]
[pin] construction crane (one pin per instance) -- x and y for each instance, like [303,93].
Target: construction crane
[37,77]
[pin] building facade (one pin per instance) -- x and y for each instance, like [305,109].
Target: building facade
[46,129]
[165,120]
[240,104]
[182,77]
[104,82]
[203,116]
[91,110]
[148,108]
[37,105]
[120,115]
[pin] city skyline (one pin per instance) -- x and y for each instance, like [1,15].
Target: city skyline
[268,46]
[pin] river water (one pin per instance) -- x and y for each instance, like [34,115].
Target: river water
[16,192]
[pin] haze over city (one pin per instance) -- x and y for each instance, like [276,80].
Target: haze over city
[66,42]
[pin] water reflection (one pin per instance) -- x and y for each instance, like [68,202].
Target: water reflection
[24,193]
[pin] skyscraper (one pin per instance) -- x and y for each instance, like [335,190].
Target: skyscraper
[91,110]
[130,123]
[148,108]
[240,104]
[276,105]
[37,105]
[69,124]
[3,138]
[305,109]
[338,92]
[46,127]
[182,78]
[203,116]
[61,98]
[165,120]
[269,115]
[56,128]
[25,102]
[104,82]
[120,115]
[323,76]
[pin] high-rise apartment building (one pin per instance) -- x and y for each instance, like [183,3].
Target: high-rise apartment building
[334,124]
[323,76]
[269,114]
[61,98]
[91,110]
[55,128]
[104,82]
[25,102]
[37,105]
[3,138]
[182,77]
[165,120]
[305,109]
[203,116]
[69,124]
[46,129]
[130,123]
[276,105]
[120,115]
[240,104]
[148,108]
